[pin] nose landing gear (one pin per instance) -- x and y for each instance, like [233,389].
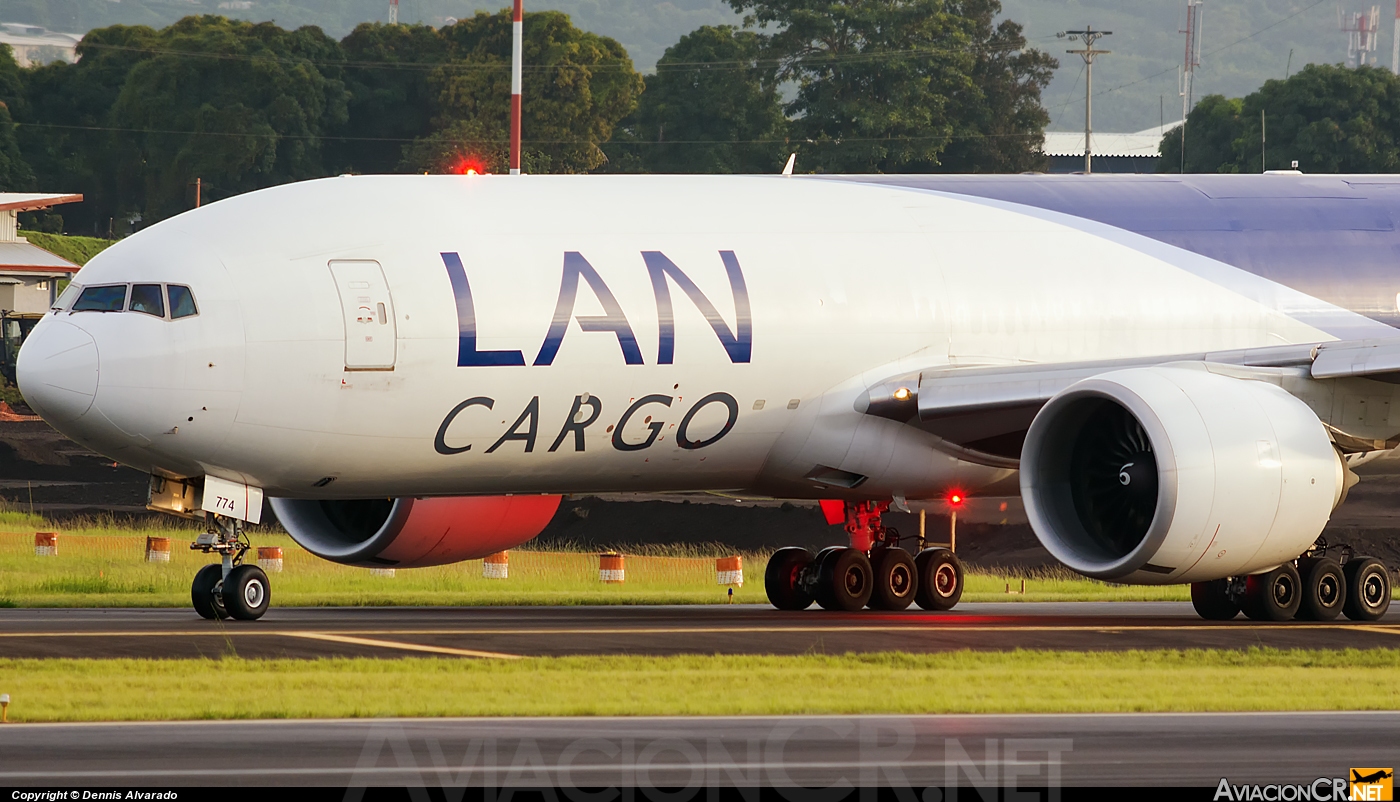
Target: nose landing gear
[230,589]
[873,571]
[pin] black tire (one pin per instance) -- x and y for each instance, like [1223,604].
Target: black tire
[940,579]
[246,593]
[204,592]
[781,579]
[846,581]
[1368,589]
[1212,602]
[1273,596]
[1324,589]
[819,590]
[896,579]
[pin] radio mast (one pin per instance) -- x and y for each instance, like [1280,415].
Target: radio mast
[394,12]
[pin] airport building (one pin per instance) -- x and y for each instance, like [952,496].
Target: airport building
[29,275]
[1112,153]
[35,46]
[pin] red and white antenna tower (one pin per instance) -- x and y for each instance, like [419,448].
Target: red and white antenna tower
[393,12]
[517,45]
[1361,29]
[1395,42]
[1195,18]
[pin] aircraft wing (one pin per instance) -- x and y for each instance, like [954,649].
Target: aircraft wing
[985,410]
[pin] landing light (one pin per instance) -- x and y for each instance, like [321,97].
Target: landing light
[902,394]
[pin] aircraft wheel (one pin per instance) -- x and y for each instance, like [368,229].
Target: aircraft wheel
[204,592]
[819,589]
[896,579]
[782,578]
[246,593]
[1324,589]
[1212,602]
[1368,589]
[846,580]
[940,579]
[1273,596]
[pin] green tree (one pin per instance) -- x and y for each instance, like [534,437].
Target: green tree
[15,173]
[237,105]
[579,85]
[711,107]
[891,85]
[65,120]
[1329,118]
[391,100]
[1211,130]
[999,120]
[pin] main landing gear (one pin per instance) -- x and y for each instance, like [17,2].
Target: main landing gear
[1315,587]
[872,572]
[231,588]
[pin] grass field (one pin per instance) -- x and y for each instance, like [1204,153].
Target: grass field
[102,566]
[958,682]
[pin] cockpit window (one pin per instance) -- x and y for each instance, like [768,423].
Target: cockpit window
[147,298]
[66,297]
[102,299]
[181,302]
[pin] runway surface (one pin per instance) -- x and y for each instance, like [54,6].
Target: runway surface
[485,632]
[813,751]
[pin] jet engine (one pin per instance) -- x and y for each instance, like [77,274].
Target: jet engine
[1174,474]
[413,532]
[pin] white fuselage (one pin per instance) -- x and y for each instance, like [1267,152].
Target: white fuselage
[274,383]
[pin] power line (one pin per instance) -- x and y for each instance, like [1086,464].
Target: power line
[502,141]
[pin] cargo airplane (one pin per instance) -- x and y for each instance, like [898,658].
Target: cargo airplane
[1177,374]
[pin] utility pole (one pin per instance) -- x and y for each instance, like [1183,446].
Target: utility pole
[517,27]
[1088,36]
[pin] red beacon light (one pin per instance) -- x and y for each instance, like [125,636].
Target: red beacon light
[956,499]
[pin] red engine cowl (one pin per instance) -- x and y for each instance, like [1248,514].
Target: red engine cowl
[413,533]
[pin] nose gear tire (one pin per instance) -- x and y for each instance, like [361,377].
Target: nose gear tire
[204,592]
[246,593]
[782,578]
[1212,600]
[939,579]
[1368,589]
[896,579]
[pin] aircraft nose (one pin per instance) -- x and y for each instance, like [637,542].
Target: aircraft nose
[57,371]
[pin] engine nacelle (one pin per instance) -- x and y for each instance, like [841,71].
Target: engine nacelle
[413,532]
[1175,474]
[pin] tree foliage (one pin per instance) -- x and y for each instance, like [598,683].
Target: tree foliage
[1328,118]
[711,107]
[891,85]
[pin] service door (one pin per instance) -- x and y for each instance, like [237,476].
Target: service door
[370,331]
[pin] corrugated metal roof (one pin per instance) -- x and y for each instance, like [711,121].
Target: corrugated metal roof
[22,201]
[1142,144]
[26,258]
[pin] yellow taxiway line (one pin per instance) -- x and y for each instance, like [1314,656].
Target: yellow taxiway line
[409,647]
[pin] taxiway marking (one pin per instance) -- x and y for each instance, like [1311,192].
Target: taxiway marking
[410,647]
